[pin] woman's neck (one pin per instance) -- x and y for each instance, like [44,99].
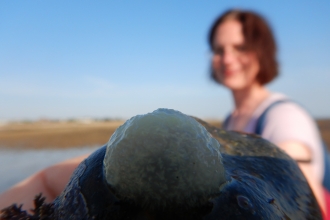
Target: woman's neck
[246,101]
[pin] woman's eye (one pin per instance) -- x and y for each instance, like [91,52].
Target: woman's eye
[240,48]
[218,51]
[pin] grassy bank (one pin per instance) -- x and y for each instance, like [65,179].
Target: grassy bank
[39,135]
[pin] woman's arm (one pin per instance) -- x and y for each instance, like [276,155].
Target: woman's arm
[291,128]
[50,182]
[302,153]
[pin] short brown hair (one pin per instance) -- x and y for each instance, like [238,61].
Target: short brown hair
[258,38]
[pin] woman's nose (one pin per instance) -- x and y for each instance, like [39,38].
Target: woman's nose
[228,57]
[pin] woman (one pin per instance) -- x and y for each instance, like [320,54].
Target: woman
[244,61]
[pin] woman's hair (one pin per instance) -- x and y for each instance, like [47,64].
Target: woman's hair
[258,38]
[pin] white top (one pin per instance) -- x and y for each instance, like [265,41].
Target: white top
[290,122]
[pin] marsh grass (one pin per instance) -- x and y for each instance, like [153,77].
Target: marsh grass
[57,134]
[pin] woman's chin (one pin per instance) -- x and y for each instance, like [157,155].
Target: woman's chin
[234,86]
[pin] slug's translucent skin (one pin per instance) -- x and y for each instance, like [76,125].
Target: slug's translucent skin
[167,165]
[162,159]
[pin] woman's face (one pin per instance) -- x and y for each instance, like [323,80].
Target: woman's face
[233,66]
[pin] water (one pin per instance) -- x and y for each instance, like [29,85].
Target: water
[16,165]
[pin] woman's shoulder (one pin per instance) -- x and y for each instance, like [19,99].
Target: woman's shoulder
[282,107]
[290,121]
[269,103]
[280,104]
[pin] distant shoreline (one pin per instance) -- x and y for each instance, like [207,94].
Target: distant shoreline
[56,135]
[63,135]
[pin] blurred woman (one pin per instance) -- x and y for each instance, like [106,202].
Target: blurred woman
[244,61]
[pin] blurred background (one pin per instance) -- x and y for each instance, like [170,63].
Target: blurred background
[73,71]
[73,59]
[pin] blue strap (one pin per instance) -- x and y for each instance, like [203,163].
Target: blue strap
[261,120]
[225,122]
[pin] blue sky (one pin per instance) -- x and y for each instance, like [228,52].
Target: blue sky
[63,59]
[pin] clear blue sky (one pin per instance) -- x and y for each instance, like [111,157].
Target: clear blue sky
[63,59]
